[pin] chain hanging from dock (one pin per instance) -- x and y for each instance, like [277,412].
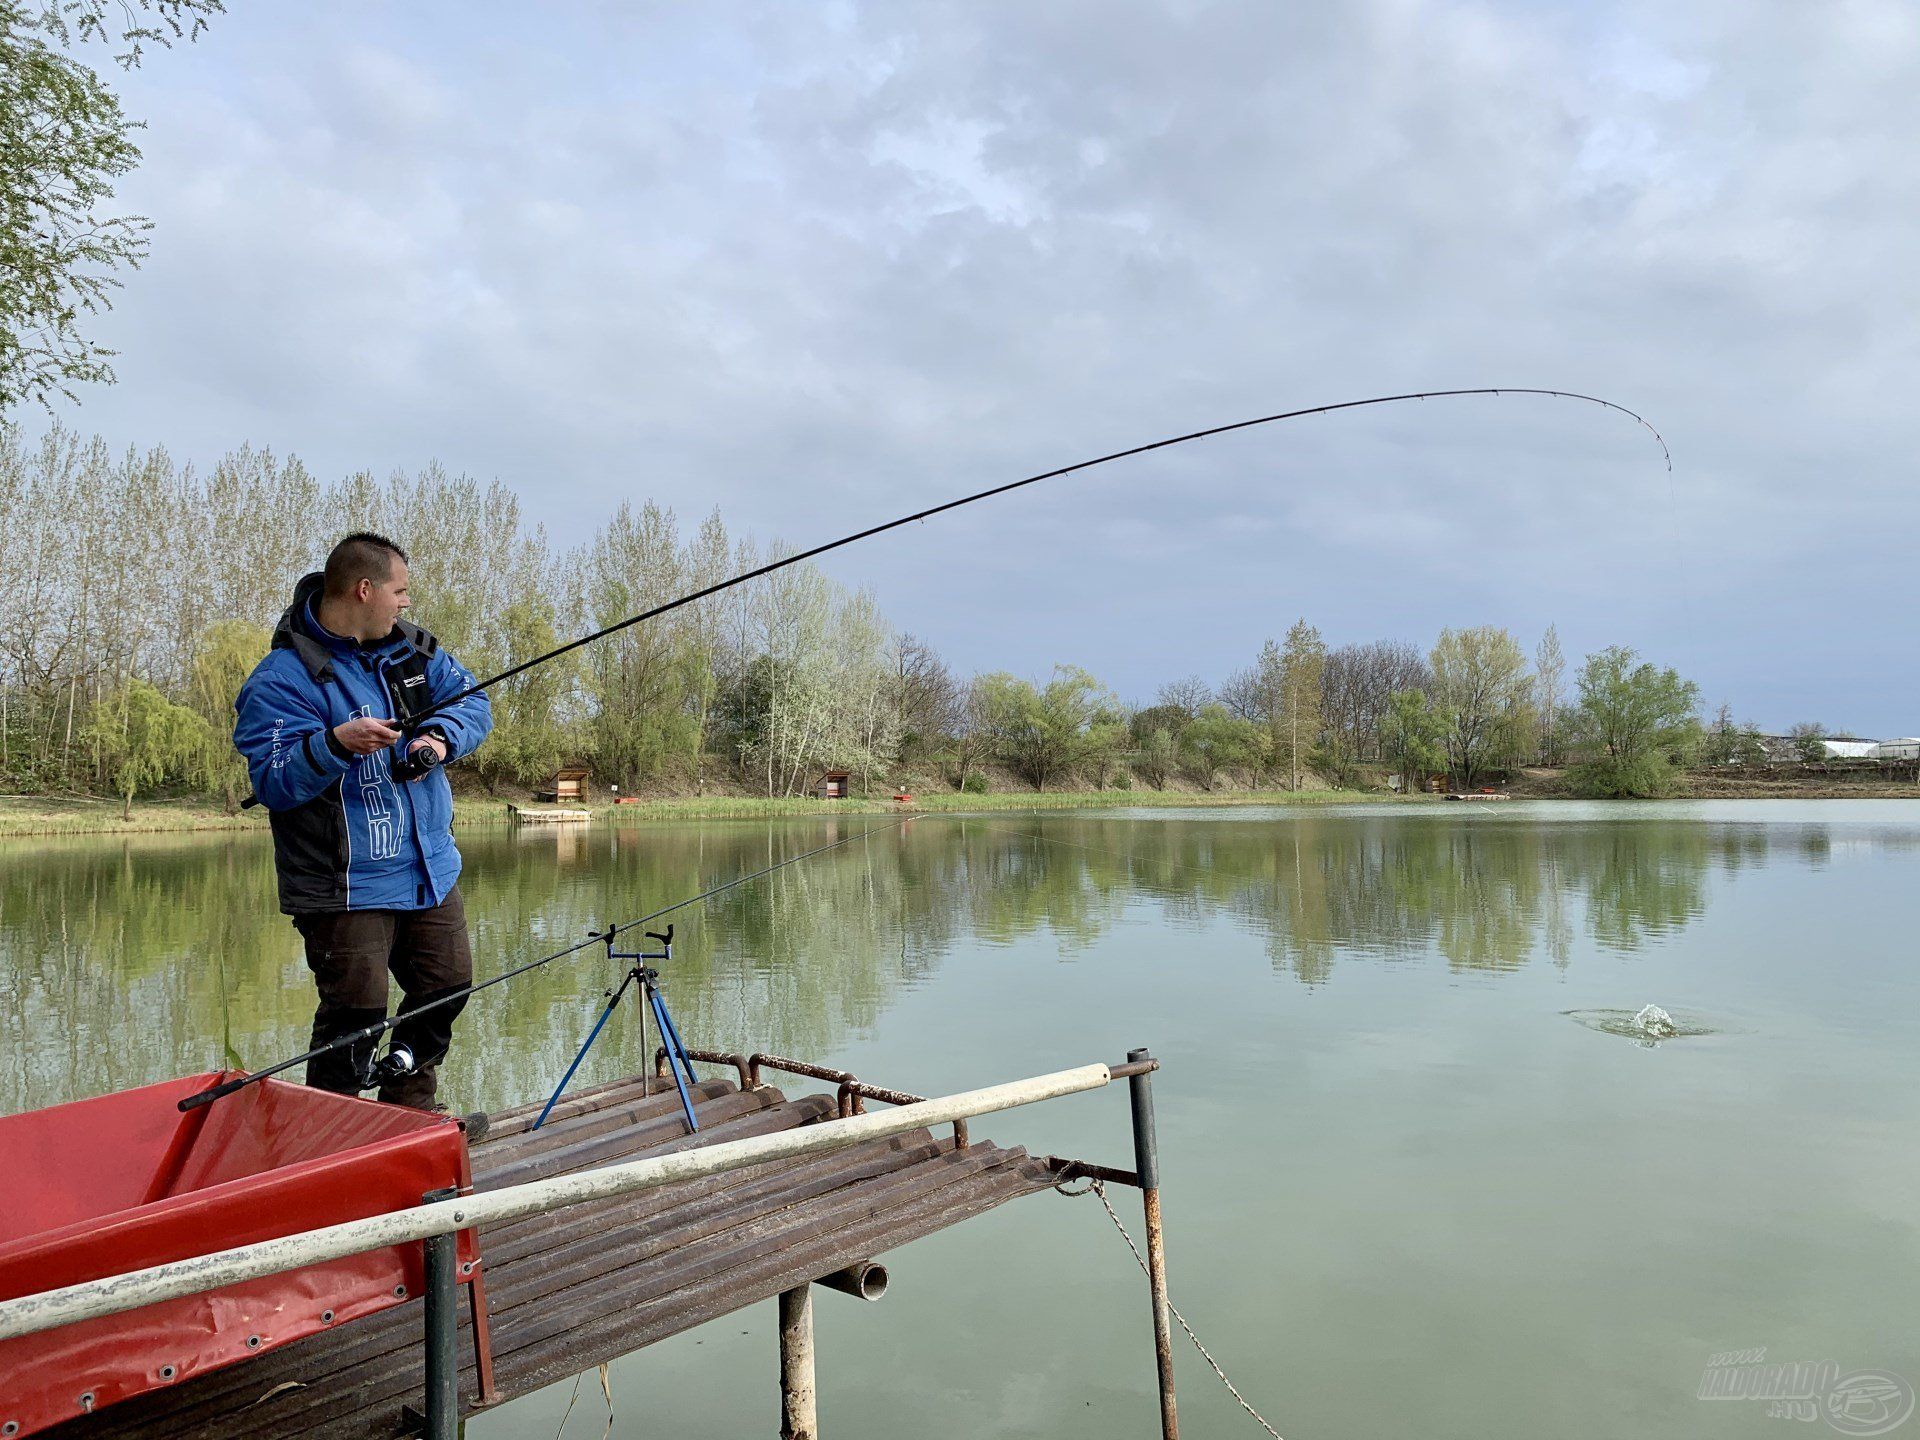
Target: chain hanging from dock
[1099,1190]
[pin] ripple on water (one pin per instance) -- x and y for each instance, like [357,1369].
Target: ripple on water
[1681,1025]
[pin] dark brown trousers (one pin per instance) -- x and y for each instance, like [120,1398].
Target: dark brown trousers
[351,953]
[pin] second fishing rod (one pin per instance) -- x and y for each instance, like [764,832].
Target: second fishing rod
[369,1035]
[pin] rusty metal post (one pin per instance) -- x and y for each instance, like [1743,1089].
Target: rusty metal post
[1146,1163]
[799,1419]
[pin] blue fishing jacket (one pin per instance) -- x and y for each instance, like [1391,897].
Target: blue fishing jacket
[346,834]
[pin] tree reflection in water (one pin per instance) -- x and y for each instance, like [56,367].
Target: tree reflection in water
[125,960]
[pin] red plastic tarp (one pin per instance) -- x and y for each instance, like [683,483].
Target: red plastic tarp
[117,1183]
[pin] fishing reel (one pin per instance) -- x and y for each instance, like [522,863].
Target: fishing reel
[396,1064]
[412,759]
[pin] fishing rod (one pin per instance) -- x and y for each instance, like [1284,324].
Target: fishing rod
[410,763]
[408,766]
[597,937]
[780,564]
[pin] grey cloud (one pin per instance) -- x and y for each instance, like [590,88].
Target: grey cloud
[820,266]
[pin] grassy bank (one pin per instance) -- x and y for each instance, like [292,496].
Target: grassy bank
[1537,783]
[59,815]
[752,807]
[1716,787]
[85,815]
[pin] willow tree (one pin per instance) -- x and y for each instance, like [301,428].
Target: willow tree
[1413,737]
[228,651]
[1638,724]
[1480,683]
[637,682]
[144,739]
[1041,732]
[530,738]
[1220,742]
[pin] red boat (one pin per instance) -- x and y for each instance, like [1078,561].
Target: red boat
[104,1186]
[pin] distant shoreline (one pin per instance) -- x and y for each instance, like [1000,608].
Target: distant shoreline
[23,817]
[26,817]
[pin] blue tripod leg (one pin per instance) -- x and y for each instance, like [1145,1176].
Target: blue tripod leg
[679,1045]
[670,1039]
[592,1035]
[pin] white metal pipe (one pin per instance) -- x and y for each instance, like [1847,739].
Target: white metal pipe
[113,1294]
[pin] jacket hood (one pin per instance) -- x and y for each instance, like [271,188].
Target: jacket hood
[297,632]
[293,633]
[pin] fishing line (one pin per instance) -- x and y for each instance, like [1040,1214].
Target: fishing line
[599,937]
[872,530]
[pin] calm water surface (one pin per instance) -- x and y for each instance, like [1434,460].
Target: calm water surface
[1406,1193]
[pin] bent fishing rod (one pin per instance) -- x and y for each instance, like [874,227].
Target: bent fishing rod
[1011,485]
[597,937]
[410,763]
[372,1032]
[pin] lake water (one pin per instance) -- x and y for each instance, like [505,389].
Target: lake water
[1406,1192]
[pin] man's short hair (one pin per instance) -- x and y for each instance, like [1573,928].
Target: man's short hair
[360,556]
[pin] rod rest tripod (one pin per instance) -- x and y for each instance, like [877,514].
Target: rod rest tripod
[644,976]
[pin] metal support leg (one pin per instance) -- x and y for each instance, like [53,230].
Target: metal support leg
[670,1042]
[1146,1163]
[443,1356]
[613,1001]
[799,1419]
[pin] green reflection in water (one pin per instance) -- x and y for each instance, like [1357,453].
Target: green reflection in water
[112,953]
[1487,897]
[1405,1194]
[127,960]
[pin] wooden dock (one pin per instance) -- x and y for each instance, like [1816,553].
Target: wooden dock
[547,815]
[570,1289]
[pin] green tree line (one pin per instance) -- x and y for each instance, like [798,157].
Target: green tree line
[136,593]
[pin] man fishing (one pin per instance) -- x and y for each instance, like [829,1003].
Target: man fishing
[362,812]
[301,767]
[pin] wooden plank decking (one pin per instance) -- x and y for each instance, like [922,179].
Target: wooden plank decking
[571,1289]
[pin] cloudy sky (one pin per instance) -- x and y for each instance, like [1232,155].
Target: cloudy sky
[820,264]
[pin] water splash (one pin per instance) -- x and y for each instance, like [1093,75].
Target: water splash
[1647,1027]
[1655,1021]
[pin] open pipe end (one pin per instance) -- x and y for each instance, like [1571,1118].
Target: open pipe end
[865,1280]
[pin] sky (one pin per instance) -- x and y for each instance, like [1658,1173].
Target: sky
[819,265]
